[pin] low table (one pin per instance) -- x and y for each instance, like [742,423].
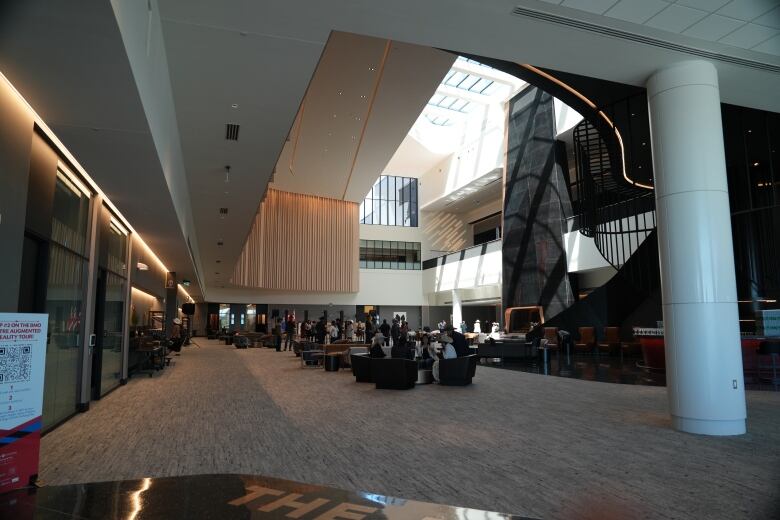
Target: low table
[333,361]
[424,376]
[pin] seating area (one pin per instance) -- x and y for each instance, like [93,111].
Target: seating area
[389,372]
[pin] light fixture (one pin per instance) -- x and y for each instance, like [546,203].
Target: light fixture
[142,266]
[234,105]
[755,163]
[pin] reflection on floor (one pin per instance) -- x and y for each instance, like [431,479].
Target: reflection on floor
[602,368]
[606,369]
[220,497]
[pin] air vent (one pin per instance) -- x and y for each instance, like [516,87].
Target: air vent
[223,211]
[231,131]
[616,33]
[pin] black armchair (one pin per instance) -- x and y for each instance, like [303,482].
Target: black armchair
[394,373]
[361,368]
[457,371]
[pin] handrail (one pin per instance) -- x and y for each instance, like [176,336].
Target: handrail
[434,261]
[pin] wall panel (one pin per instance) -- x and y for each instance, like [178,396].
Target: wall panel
[301,243]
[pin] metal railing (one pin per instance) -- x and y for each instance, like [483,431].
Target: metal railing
[618,216]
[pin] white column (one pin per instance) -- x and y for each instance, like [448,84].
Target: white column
[457,310]
[703,354]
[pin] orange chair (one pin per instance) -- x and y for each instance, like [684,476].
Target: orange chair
[587,342]
[611,343]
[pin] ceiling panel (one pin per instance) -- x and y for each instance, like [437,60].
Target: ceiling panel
[749,35]
[770,19]
[705,5]
[713,27]
[676,18]
[637,11]
[747,10]
[591,6]
[341,116]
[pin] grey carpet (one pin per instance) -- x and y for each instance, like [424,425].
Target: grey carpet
[514,442]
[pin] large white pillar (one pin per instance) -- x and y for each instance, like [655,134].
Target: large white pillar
[457,310]
[703,354]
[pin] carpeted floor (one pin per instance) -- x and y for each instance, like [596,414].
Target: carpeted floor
[513,442]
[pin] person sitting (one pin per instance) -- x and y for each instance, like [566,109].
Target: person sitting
[447,352]
[459,343]
[426,352]
[376,346]
[400,348]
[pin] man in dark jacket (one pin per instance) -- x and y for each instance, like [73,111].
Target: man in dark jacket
[395,332]
[320,329]
[384,328]
[459,343]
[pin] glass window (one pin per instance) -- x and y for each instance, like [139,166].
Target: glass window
[113,320]
[386,254]
[392,201]
[64,304]
[70,213]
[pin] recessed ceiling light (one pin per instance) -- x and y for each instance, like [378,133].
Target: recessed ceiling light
[755,163]
[234,105]
[371,68]
[363,96]
[341,92]
[334,116]
[750,131]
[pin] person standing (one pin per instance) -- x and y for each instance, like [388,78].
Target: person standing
[290,332]
[369,330]
[395,332]
[320,329]
[277,332]
[350,331]
[384,328]
[334,332]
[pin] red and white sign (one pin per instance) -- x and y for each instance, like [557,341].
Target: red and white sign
[22,364]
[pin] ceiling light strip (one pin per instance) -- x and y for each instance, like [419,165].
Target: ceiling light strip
[297,135]
[73,162]
[377,81]
[600,113]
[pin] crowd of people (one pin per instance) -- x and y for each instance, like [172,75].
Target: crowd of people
[423,345]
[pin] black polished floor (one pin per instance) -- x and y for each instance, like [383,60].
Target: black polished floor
[219,497]
[602,368]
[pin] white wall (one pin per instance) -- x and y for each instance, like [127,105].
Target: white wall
[582,253]
[474,271]
[377,287]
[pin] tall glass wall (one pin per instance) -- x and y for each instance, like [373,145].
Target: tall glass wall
[114,274]
[392,201]
[65,299]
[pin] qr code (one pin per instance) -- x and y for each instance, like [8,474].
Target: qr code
[15,363]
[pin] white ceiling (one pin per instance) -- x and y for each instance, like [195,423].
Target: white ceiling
[341,116]
[746,24]
[67,59]
[212,68]
[483,190]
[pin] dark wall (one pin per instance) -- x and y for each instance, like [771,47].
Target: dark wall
[536,203]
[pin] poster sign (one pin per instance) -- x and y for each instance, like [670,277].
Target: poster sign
[22,364]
